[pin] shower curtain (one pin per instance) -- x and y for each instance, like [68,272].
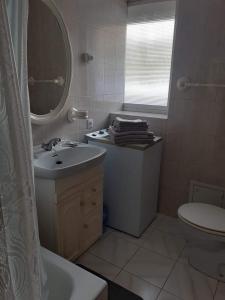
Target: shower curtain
[20,261]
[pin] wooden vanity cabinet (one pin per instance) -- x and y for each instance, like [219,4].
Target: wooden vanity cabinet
[70,211]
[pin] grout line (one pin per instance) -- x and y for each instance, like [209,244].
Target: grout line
[143,247]
[178,298]
[131,258]
[163,255]
[105,260]
[172,269]
[117,275]
[216,289]
[117,235]
[141,278]
[174,235]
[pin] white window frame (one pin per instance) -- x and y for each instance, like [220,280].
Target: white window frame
[155,109]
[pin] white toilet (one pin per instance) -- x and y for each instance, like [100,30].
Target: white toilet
[204,228]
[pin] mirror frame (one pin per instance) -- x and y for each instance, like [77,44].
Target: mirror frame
[54,114]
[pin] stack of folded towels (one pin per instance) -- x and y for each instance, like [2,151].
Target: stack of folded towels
[124,131]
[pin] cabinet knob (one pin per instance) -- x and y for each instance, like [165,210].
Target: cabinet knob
[85,226]
[82,203]
[94,190]
[93,203]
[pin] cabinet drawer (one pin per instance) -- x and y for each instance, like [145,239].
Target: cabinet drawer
[75,181]
[91,230]
[72,193]
[69,220]
[92,197]
[90,205]
[93,187]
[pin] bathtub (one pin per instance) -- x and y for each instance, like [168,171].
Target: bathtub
[66,281]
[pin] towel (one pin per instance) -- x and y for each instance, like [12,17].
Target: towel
[130,141]
[128,121]
[130,133]
[130,137]
[123,125]
[125,131]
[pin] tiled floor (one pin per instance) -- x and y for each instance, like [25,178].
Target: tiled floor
[154,266]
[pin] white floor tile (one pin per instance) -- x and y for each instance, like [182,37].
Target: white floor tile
[114,250]
[220,293]
[167,296]
[163,243]
[159,218]
[98,265]
[138,286]
[187,284]
[107,230]
[129,238]
[150,266]
[168,225]
[183,258]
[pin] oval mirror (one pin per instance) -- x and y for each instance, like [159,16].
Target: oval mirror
[49,61]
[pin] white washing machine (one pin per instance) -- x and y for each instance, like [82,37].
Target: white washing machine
[131,182]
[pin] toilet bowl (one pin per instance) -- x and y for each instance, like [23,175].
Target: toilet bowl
[204,229]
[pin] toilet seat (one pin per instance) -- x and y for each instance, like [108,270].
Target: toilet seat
[205,217]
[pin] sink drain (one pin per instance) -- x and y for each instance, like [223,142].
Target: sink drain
[59,162]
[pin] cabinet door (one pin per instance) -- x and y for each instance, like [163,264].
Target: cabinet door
[69,226]
[91,229]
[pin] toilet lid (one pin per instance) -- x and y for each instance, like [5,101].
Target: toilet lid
[205,216]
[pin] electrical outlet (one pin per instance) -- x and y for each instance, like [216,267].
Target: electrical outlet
[90,124]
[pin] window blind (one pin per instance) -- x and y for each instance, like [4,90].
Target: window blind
[150,32]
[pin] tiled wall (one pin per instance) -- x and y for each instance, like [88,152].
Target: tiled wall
[194,145]
[97,27]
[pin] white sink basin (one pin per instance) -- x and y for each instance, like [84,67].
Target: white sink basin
[64,161]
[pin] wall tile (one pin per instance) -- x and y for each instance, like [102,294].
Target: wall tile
[171,199]
[97,27]
[194,146]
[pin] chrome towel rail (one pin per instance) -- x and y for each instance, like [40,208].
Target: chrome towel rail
[58,81]
[184,83]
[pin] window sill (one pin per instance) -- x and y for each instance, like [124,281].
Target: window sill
[140,114]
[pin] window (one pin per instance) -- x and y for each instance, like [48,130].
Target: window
[149,44]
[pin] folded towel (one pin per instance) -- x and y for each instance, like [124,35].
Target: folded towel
[131,133]
[131,141]
[130,128]
[128,121]
[130,137]
[125,131]
[121,125]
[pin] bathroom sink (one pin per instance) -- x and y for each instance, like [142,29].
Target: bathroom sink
[65,160]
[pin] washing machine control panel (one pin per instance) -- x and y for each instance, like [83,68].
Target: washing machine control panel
[103,133]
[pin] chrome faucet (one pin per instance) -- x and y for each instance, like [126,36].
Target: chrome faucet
[49,146]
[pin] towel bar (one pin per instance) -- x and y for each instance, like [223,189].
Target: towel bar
[184,83]
[58,81]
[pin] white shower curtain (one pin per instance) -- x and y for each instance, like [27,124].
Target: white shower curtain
[20,263]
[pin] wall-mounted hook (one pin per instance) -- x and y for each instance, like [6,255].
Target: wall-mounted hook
[86,57]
